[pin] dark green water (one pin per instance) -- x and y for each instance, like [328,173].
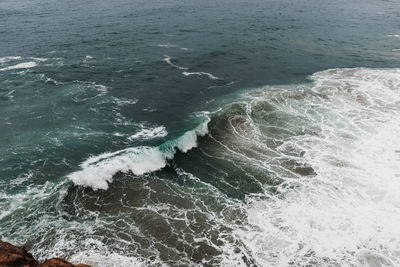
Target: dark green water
[190,133]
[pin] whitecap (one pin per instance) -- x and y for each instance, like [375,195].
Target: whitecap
[151,133]
[167,45]
[8,59]
[38,59]
[11,203]
[96,172]
[168,60]
[125,101]
[9,95]
[149,109]
[50,80]
[102,89]
[25,65]
[118,134]
[212,77]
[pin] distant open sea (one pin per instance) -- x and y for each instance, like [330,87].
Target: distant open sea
[201,132]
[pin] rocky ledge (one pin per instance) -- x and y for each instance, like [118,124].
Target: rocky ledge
[11,255]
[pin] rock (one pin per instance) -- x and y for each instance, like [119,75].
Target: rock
[57,262]
[14,256]
[11,255]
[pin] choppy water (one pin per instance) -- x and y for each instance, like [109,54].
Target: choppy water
[231,133]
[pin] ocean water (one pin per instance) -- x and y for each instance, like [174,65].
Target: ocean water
[201,133]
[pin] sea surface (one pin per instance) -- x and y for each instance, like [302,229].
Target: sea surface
[201,133]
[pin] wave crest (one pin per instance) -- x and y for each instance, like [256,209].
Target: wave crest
[98,171]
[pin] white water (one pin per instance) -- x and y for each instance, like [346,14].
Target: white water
[98,171]
[167,59]
[348,214]
[209,75]
[345,215]
[151,133]
[97,259]
[8,59]
[25,65]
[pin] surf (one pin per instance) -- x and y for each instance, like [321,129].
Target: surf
[96,172]
[343,128]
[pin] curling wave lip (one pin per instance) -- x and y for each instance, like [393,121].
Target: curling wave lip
[98,171]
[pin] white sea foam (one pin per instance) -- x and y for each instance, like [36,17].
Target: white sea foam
[348,214]
[151,133]
[102,89]
[50,80]
[105,259]
[198,73]
[9,95]
[8,59]
[212,77]
[167,45]
[9,203]
[149,109]
[168,60]
[88,249]
[125,101]
[25,65]
[87,58]
[17,58]
[40,59]
[97,172]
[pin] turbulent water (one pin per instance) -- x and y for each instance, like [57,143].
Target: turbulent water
[201,133]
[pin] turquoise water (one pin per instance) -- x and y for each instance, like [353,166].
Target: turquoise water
[245,133]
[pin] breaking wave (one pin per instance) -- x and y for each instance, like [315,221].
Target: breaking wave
[316,165]
[98,171]
[298,175]
[156,132]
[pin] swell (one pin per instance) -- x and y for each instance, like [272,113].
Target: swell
[96,172]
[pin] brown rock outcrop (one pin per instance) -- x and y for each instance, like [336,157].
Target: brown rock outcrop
[14,256]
